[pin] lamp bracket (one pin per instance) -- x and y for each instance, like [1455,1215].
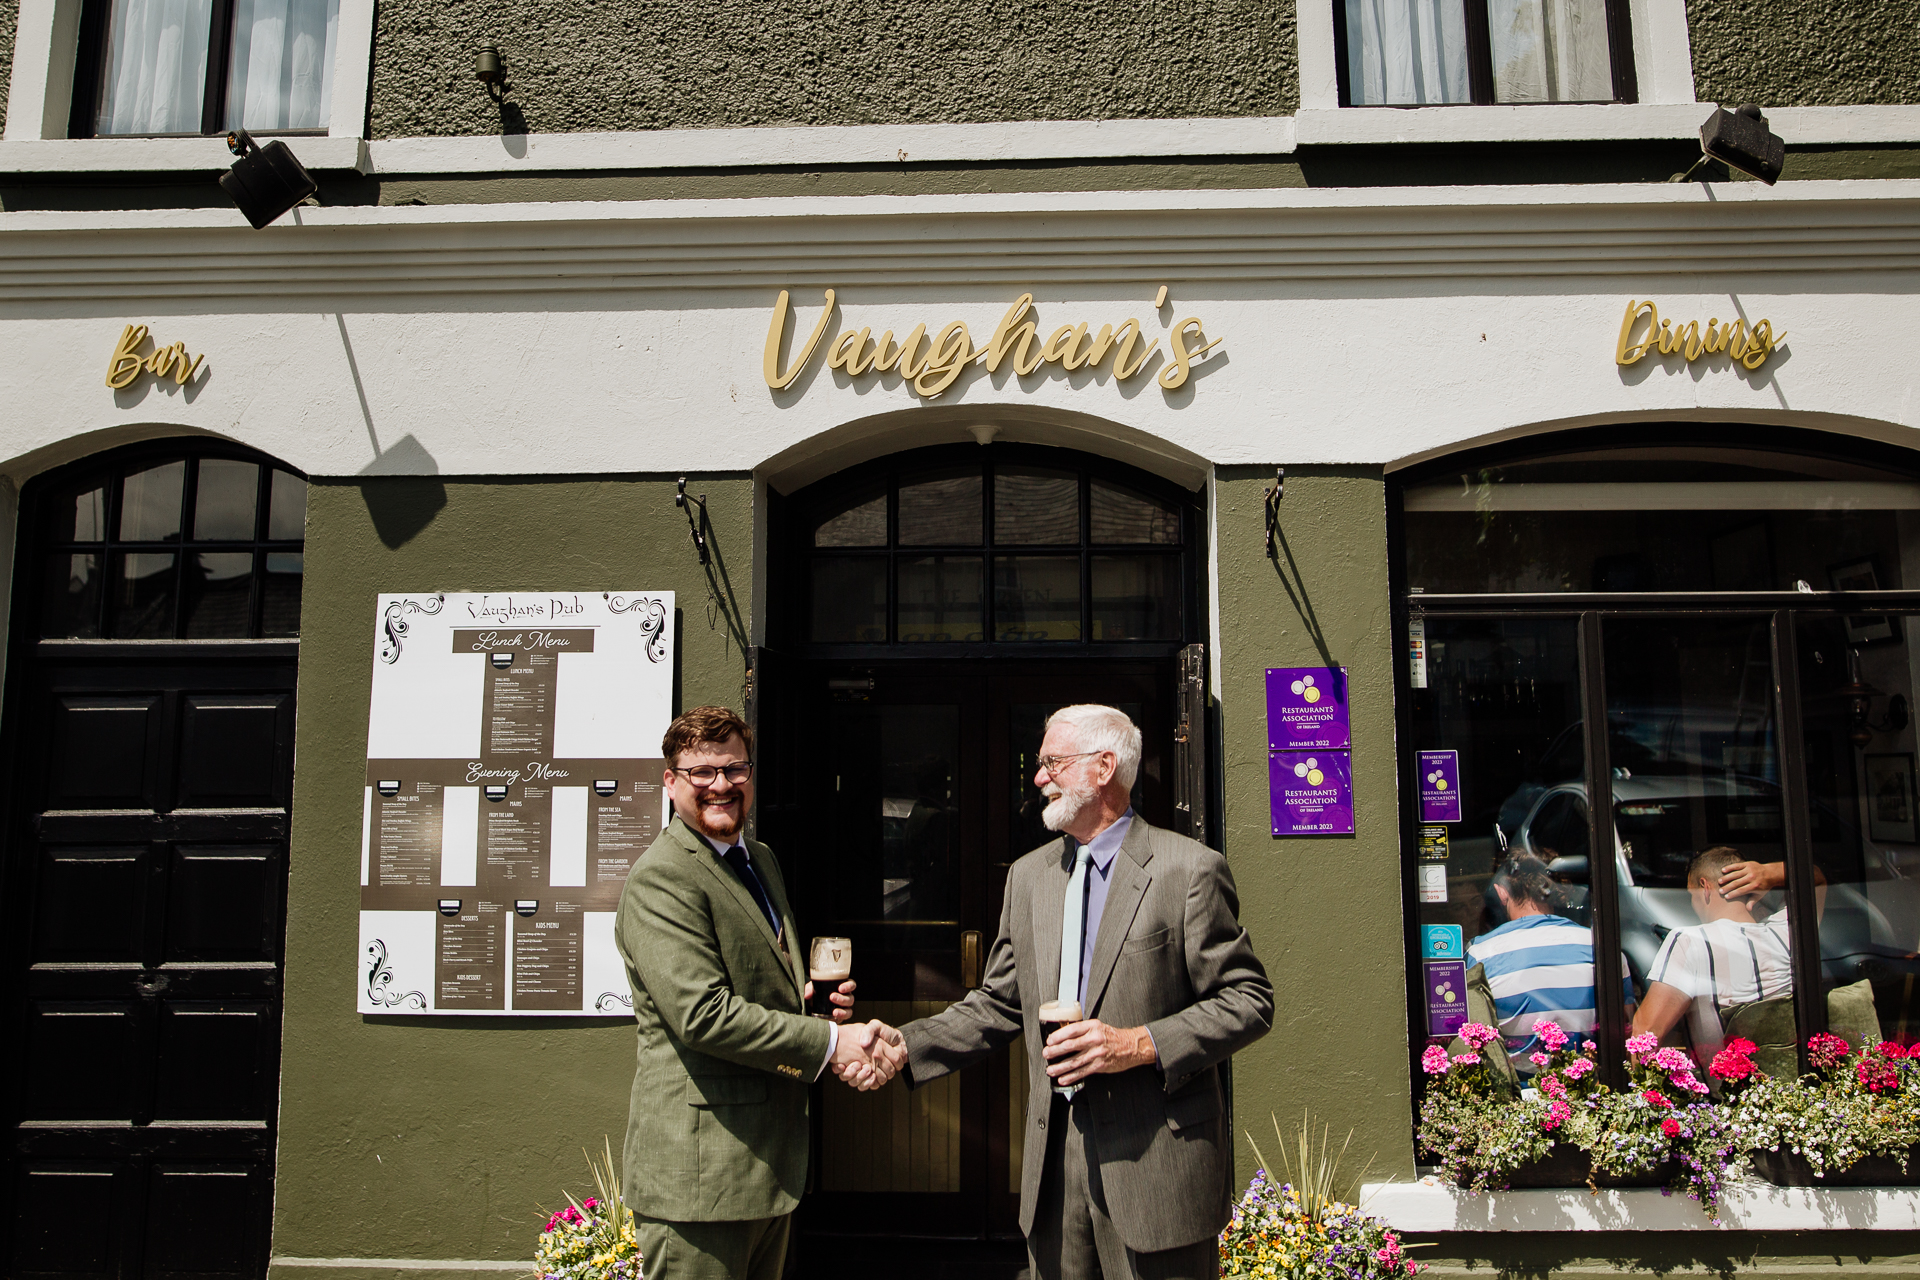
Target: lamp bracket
[687,503]
[1273,497]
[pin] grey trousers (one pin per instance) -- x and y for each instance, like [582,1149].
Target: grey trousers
[1074,1239]
[751,1250]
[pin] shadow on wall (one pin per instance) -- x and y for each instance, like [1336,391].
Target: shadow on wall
[407,502]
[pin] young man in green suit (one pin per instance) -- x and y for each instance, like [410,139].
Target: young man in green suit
[716,1151]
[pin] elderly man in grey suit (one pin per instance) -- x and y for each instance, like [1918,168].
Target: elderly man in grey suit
[1128,1167]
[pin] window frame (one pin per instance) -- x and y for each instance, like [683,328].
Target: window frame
[1480,88]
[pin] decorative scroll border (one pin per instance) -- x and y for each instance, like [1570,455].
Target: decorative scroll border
[395,627]
[653,621]
[608,999]
[380,978]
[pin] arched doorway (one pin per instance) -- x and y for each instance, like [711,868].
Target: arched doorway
[149,771]
[928,611]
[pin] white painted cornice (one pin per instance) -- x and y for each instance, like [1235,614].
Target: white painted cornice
[1623,232]
[1748,1205]
[166,155]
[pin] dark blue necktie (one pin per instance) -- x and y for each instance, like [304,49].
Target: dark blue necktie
[736,858]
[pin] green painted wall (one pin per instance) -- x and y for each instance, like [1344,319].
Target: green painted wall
[436,1138]
[1325,912]
[581,65]
[9,20]
[1805,53]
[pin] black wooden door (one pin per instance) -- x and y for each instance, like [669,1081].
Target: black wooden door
[145,880]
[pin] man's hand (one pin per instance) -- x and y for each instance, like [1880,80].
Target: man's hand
[842,999]
[1751,879]
[1089,1048]
[868,1055]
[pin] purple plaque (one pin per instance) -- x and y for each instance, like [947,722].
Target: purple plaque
[1446,996]
[1439,786]
[1307,709]
[1312,792]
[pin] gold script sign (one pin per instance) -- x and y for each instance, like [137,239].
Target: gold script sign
[127,362]
[930,366]
[1750,347]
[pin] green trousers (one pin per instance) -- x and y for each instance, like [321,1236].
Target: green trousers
[752,1250]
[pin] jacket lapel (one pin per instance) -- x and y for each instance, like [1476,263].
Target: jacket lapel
[1049,899]
[702,853]
[1129,885]
[768,870]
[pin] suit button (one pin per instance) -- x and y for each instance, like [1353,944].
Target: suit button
[1043,1122]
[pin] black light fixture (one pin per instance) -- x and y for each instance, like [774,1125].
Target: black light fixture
[1740,140]
[266,181]
[1859,695]
[489,68]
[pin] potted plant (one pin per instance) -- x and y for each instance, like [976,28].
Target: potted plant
[1302,1229]
[591,1239]
[1854,1120]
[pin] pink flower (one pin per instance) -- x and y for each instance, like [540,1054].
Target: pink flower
[1730,1066]
[1538,1059]
[1671,1059]
[1466,1059]
[1877,1074]
[1827,1051]
[1741,1047]
[1588,1046]
[1579,1067]
[1551,1086]
[1434,1060]
[1889,1050]
[1670,1127]
[1557,1113]
[1646,1042]
[1478,1035]
[1551,1036]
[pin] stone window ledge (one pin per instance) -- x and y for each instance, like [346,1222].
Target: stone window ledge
[1748,1205]
[167,155]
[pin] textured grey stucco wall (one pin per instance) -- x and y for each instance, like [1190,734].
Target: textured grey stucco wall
[9,17]
[579,65]
[1805,53]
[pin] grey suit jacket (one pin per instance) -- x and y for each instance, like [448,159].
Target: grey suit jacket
[717,1122]
[1171,956]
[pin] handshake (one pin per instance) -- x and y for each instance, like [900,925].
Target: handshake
[866,1055]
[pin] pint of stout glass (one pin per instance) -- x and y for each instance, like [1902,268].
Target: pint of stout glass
[1055,1014]
[829,964]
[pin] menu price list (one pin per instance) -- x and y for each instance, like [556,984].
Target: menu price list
[515,834]
[407,834]
[470,964]
[547,956]
[621,826]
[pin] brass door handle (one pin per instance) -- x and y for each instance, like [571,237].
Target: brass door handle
[970,945]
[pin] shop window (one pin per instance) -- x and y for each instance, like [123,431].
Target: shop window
[161,67]
[1432,52]
[1737,627]
[994,550]
[184,548]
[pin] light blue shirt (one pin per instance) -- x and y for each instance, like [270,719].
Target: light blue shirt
[1101,852]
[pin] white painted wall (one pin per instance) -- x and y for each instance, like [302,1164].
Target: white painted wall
[1356,326]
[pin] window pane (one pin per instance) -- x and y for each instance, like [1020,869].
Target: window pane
[941,510]
[70,597]
[155,73]
[1406,52]
[281,75]
[219,590]
[1696,790]
[287,508]
[850,600]
[1036,597]
[1866,843]
[1550,51]
[280,609]
[143,595]
[150,503]
[223,506]
[78,517]
[940,599]
[861,525]
[1504,696]
[1645,519]
[1136,597]
[1121,515]
[1034,506]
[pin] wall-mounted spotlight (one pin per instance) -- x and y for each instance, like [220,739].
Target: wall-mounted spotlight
[266,181]
[489,68]
[1740,140]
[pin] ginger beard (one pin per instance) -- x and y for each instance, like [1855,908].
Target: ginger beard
[1065,804]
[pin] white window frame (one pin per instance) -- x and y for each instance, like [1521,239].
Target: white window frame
[40,98]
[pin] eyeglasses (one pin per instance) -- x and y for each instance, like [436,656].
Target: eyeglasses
[704,775]
[1051,764]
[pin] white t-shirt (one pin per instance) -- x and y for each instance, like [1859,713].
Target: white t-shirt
[1723,963]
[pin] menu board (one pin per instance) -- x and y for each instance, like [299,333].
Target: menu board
[513,778]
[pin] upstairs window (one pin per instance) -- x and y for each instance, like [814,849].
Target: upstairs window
[1403,53]
[152,68]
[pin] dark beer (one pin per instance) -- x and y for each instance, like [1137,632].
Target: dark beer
[1055,1014]
[829,963]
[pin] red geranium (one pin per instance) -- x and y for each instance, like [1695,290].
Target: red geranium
[1657,1099]
[1670,1127]
[1730,1066]
[1877,1074]
[1827,1051]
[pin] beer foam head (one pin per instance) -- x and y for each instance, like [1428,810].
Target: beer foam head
[830,972]
[830,959]
[1060,1011]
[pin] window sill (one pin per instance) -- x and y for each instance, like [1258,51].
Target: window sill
[1542,122]
[166,155]
[1749,1205]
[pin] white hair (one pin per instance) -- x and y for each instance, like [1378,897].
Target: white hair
[1097,728]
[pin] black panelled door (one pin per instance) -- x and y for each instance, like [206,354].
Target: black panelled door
[145,884]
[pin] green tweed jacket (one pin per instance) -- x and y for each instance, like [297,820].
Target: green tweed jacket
[717,1122]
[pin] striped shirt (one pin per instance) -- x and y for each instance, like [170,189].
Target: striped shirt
[1723,963]
[1540,969]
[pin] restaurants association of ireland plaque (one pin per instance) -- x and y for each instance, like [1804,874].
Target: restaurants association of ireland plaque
[513,777]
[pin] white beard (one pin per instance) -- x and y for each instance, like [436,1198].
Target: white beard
[1066,804]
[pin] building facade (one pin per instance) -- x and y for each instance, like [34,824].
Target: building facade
[1284,335]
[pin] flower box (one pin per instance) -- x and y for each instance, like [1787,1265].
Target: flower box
[1570,1166]
[1791,1169]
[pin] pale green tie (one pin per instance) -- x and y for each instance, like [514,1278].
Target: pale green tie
[1072,925]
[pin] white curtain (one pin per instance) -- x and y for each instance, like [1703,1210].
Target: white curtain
[282,75]
[1406,52]
[1550,51]
[156,67]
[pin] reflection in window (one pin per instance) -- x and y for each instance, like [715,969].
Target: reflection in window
[1136,597]
[1036,597]
[1123,516]
[150,503]
[1550,50]
[1033,506]
[861,525]
[940,599]
[224,506]
[941,511]
[850,600]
